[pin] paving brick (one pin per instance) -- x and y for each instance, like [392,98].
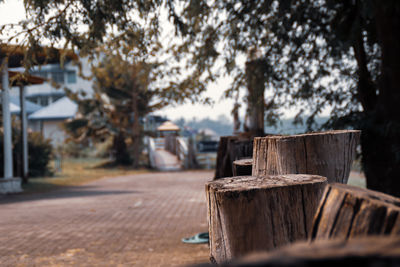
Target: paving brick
[134,220]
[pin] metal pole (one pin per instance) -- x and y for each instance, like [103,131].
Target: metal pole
[7,142]
[24,130]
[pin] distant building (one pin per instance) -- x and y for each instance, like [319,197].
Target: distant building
[49,106]
[15,106]
[65,77]
[168,128]
[48,120]
[152,122]
[208,134]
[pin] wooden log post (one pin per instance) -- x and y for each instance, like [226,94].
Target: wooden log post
[368,252]
[247,214]
[346,212]
[230,149]
[329,154]
[242,167]
[223,168]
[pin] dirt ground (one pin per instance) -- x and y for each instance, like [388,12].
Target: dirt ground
[136,220]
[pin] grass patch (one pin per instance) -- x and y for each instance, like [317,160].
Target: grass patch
[75,171]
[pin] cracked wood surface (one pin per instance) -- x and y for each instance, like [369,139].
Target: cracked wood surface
[329,154]
[347,212]
[247,214]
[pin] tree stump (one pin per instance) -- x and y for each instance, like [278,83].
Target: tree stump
[329,154]
[247,214]
[368,252]
[242,167]
[346,212]
[231,148]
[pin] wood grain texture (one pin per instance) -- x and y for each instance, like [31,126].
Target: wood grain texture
[368,252]
[247,214]
[242,167]
[230,149]
[329,154]
[346,212]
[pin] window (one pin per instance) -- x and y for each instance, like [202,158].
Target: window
[39,99]
[41,73]
[71,76]
[57,76]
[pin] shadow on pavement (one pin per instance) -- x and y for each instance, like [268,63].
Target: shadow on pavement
[59,192]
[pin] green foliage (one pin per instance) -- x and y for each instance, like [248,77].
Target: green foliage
[40,153]
[307,59]
[314,54]
[121,97]
[75,150]
[341,55]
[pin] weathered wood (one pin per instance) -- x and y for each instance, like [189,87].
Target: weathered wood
[231,148]
[247,214]
[346,212]
[223,168]
[242,167]
[329,154]
[368,252]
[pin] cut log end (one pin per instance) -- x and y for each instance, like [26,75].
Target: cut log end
[231,148]
[329,154]
[242,167]
[346,212]
[247,214]
[249,183]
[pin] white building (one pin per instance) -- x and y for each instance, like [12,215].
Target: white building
[56,107]
[48,120]
[66,76]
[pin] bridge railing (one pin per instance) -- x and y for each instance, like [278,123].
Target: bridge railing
[182,151]
[176,145]
[152,148]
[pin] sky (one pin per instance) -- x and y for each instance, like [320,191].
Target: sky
[12,11]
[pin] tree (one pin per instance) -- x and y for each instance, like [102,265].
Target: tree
[129,29]
[121,98]
[314,54]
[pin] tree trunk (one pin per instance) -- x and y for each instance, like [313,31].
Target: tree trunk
[255,95]
[231,148]
[346,212]
[120,150]
[242,167]
[368,252]
[247,214]
[381,135]
[136,138]
[329,154]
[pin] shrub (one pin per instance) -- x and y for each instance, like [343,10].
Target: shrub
[40,153]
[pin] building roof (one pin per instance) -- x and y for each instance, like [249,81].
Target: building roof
[207,132]
[16,55]
[168,126]
[15,106]
[62,109]
[17,78]
[14,109]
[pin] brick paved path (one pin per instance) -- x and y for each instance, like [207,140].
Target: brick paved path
[123,221]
